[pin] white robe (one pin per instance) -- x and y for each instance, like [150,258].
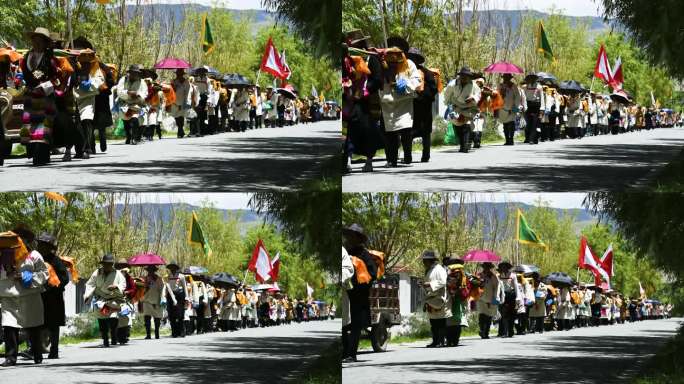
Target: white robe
[22,307]
[436,293]
[85,98]
[96,288]
[397,110]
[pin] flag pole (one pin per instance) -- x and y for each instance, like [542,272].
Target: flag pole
[258,75]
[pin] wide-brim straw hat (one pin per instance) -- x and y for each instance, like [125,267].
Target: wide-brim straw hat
[40,31]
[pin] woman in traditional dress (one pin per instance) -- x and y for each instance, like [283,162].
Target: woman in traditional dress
[155,290]
[89,82]
[459,288]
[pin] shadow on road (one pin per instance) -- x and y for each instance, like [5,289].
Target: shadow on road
[613,167]
[260,360]
[267,163]
[565,359]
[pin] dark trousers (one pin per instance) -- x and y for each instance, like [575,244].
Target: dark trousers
[200,318]
[132,129]
[107,326]
[537,324]
[423,126]
[453,335]
[88,137]
[148,326]
[102,136]
[392,148]
[258,121]
[506,325]
[438,330]
[180,121]
[477,139]
[509,132]
[201,124]
[521,327]
[54,339]
[3,145]
[252,118]
[546,132]
[532,123]
[243,125]
[426,137]
[485,323]
[176,316]
[463,137]
[350,340]
[11,336]
[213,124]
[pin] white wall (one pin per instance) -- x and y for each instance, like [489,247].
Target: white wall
[404,294]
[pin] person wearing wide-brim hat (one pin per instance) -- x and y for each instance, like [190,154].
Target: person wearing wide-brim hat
[365,271]
[538,309]
[20,303]
[402,81]
[90,81]
[534,94]
[463,95]
[364,133]
[176,292]
[435,299]
[155,291]
[132,92]
[491,297]
[53,296]
[422,104]
[41,72]
[105,288]
[123,333]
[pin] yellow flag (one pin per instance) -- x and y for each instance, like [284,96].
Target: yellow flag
[56,197]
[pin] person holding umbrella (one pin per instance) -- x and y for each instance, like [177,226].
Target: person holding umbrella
[512,104]
[155,290]
[53,297]
[180,108]
[365,271]
[105,288]
[490,298]
[176,291]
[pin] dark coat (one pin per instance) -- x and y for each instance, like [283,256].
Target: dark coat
[364,129]
[53,297]
[422,104]
[358,295]
[103,112]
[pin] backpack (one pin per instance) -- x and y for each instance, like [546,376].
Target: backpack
[379,258]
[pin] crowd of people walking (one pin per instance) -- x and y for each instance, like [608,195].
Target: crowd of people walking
[53,97]
[389,96]
[33,279]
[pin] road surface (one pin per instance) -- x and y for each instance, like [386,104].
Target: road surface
[262,355]
[602,355]
[262,159]
[590,164]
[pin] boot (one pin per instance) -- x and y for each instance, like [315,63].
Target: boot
[147,328]
[157,324]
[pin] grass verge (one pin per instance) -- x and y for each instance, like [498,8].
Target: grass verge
[666,366]
[326,369]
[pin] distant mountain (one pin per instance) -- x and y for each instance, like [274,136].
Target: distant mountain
[162,211]
[498,19]
[174,14]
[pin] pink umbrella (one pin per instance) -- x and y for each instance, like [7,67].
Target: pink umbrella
[146,259]
[503,67]
[481,256]
[172,63]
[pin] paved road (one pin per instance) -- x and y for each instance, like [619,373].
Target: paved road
[602,355]
[263,159]
[591,164]
[262,355]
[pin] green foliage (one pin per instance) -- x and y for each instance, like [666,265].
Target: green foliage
[90,225]
[147,38]
[659,36]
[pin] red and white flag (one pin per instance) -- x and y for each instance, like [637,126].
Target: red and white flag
[260,263]
[616,76]
[607,260]
[275,267]
[271,61]
[587,260]
[602,68]
[286,68]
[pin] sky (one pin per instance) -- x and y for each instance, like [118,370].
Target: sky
[555,200]
[569,7]
[220,200]
[232,4]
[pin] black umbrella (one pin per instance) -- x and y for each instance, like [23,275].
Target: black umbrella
[235,80]
[547,78]
[211,72]
[619,97]
[224,280]
[571,87]
[526,269]
[287,93]
[559,279]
